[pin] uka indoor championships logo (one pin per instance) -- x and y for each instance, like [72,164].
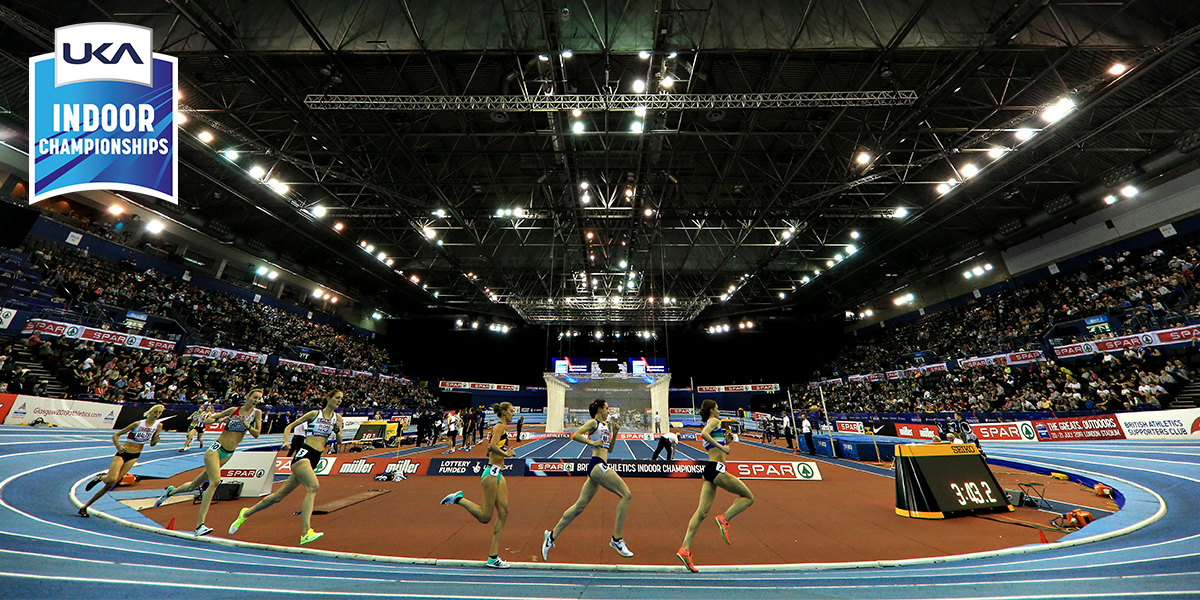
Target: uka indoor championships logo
[102,114]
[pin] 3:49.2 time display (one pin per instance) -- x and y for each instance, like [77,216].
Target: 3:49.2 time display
[974,493]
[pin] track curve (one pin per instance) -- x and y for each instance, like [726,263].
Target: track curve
[49,552]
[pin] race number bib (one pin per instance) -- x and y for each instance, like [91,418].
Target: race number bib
[301,453]
[720,468]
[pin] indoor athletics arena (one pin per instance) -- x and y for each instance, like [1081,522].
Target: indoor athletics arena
[647,299]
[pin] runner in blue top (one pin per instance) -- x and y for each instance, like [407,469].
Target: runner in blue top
[495,488]
[596,433]
[714,477]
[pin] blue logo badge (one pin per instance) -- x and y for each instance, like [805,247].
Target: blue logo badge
[102,114]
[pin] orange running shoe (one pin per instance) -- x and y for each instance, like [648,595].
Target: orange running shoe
[724,525]
[686,557]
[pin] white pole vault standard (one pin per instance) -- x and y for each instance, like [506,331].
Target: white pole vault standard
[828,423]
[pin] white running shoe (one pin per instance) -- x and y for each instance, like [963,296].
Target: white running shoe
[163,497]
[547,544]
[497,563]
[452,498]
[203,530]
[619,546]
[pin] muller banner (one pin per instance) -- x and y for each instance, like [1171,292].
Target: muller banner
[102,114]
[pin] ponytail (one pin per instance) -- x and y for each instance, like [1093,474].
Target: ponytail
[147,413]
[500,407]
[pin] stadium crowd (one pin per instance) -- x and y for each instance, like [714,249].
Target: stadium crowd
[1136,292]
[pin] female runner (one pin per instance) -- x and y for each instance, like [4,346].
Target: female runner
[714,477]
[138,433]
[197,427]
[495,489]
[596,434]
[322,425]
[238,421]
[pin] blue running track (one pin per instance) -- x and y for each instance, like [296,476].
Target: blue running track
[49,552]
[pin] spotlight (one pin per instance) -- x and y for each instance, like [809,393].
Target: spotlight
[649,212]
[672,55]
[1117,69]
[623,264]
[205,137]
[338,226]
[943,188]
[967,275]
[376,316]
[389,262]
[440,213]
[369,248]
[1024,133]
[155,226]
[115,209]
[640,111]
[543,57]
[863,158]
[644,54]
[639,86]
[628,192]
[870,312]
[988,267]
[854,235]
[782,295]
[786,235]
[829,263]
[804,279]
[590,235]
[333,299]
[851,249]
[318,211]
[970,171]
[325,296]
[900,213]
[1129,191]
[180,118]
[637,127]
[977,271]
[475,325]
[1110,199]
[577,126]
[1058,110]
[230,155]
[566,54]
[317,293]
[585,198]
[725,327]
[262,271]
[996,152]
[272,275]
[741,325]
[583,185]
[257,172]
[668,81]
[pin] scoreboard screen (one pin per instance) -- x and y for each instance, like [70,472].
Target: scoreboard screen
[936,481]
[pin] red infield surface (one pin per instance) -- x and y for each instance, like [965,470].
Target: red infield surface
[849,516]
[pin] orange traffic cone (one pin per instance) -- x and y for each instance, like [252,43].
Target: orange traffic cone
[171,526]
[1041,537]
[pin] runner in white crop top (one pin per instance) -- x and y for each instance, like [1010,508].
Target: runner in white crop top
[137,435]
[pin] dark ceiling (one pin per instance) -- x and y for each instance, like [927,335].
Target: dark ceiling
[733,187]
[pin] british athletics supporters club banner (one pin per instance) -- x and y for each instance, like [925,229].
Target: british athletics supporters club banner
[102,114]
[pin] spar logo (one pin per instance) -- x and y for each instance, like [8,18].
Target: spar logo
[243,473]
[1195,424]
[72,332]
[1027,432]
[805,472]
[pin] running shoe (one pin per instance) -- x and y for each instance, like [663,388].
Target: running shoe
[91,484]
[183,449]
[547,544]
[496,562]
[164,496]
[83,512]
[686,557]
[724,525]
[203,530]
[452,498]
[311,536]
[238,523]
[620,547]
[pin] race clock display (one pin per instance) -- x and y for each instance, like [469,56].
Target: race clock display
[935,481]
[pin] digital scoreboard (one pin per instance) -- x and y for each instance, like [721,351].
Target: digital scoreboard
[935,481]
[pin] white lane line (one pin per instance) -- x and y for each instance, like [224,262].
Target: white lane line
[1040,582]
[261,590]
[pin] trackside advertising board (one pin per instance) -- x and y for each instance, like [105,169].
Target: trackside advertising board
[1161,424]
[256,471]
[1017,431]
[1099,427]
[64,413]
[283,465]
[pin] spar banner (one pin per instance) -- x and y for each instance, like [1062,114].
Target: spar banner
[850,427]
[756,387]
[99,336]
[102,114]
[225,353]
[856,378]
[6,317]
[1161,337]
[938,368]
[1017,431]
[64,413]
[770,469]
[283,465]
[875,377]
[256,471]
[295,364]
[1099,427]
[1161,424]
[893,374]
[471,385]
